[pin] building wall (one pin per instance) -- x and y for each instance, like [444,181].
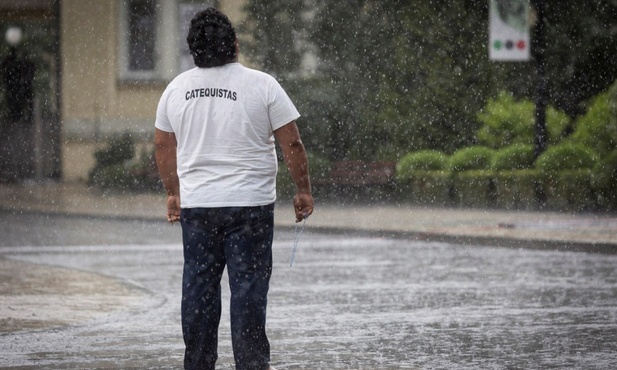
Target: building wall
[96,103]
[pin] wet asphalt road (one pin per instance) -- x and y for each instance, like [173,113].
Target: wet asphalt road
[347,303]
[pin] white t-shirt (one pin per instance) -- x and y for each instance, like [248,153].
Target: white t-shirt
[223,119]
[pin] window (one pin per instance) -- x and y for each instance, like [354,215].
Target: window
[142,35]
[147,34]
[152,38]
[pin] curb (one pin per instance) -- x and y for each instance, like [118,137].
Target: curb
[466,240]
[480,240]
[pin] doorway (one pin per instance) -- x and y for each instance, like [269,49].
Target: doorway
[30,91]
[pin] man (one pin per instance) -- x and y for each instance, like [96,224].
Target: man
[215,130]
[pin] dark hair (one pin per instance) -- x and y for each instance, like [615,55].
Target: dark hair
[211,39]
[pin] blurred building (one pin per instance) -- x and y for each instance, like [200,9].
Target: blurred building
[101,66]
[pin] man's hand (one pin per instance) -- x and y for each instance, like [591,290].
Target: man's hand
[173,208]
[303,205]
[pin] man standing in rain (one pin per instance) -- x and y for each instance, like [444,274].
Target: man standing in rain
[215,130]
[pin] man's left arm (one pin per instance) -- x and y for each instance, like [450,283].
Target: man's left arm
[165,152]
[296,159]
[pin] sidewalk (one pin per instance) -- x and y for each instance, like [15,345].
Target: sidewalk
[584,232]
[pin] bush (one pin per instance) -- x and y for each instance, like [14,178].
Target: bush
[474,188]
[604,182]
[514,157]
[471,158]
[426,188]
[109,170]
[517,189]
[566,156]
[144,172]
[598,127]
[504,121]
[108,177]
[568,190]
[119,150]
[425,160]
[117,167]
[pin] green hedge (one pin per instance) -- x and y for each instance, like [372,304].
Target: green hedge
[514,157]
[566,156]
[424,160]
[471,158]
[568,190]
[474,189]
[527,189]
[604,182]
[517,189]
[426,188]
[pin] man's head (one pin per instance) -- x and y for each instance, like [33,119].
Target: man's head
[212,39]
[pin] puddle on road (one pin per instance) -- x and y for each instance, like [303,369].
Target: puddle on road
[360,303]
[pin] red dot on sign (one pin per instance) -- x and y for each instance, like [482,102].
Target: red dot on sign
[521,44]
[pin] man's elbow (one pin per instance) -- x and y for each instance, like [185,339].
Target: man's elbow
[296,144]
[164,140]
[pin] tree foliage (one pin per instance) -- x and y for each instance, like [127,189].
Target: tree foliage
[434,83]
[597,128]
[397,76]
[581,44]
[506,121]
[271,35]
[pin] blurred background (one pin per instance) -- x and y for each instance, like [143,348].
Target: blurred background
[399,99]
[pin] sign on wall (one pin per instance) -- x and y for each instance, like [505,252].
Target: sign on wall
[509,30]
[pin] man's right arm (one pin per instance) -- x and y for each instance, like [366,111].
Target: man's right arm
[165,152]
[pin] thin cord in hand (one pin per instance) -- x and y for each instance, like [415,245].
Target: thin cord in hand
[296,240]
